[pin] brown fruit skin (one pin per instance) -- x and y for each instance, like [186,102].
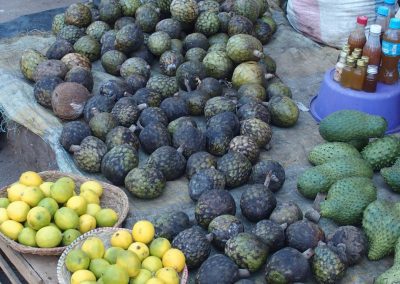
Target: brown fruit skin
[68,100]
[50,67]
[78,15]
[76,59]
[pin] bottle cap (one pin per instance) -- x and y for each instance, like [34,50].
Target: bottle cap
[372,69]
[360,62]
[350,59]
[394,23]
[357,50]
[365,58]
[383,11]
[375,29]
[362,20]
[391,2]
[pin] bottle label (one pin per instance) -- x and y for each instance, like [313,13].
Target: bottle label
[390,48]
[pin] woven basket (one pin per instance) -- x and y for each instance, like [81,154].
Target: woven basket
[113,197]
[64,276]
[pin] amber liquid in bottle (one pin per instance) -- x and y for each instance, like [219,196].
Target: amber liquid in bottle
[373,48]
[388,73]
[359,75]
[371,79]
[347,73]
[357,37]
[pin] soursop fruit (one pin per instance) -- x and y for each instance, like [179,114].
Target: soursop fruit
[391,176]
[382,152]
[392,275]
[185,11]
[169,161]
[327,265]
[207,23]
[164,85]
[145,183]
[382,226]
[329,151]
[200,161]
[236,167]
[242,47]
[89,153]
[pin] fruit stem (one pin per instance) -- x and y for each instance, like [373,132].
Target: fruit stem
[269,76]
[181,148]
[142,106]
[243,273]
[318,200]
[139,125]
[267,148]
[133,128]
[268,179]
[171,67]
[266,104]
[284,226]
[74,148]
[308,253]
[94,111]
[313,215]
[187,85]
[210,237]
[127,94]
[258,53]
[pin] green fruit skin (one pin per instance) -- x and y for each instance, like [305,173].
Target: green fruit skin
[381,224]
[327,266]
[242,47]
[392,176]
[346,125]
[347,199]
[392,274]
[329,151]
[382,152]
[320,178]
[284,111]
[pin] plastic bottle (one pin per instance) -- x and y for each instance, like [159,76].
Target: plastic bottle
[339,66]
[347,72]
[391,4]
[359,74]
[373,47]
[371,79]
[389,73]
[357,37]
[382,18]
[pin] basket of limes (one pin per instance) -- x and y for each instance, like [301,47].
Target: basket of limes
[42,213]
[119,255]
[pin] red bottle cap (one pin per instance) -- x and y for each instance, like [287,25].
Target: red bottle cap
[362,20]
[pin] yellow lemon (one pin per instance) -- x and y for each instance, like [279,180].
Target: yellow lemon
[174,258]
[15,191]
[46,188]
[69,236]
[61,191]
[106,217]
[30,179]
[76,259]
[94,247]
[142,277]
[78,204]
[92,185]
[11,229]
[3,215]
[32,196]
[4,202]
[155,280]
[92,209]
[48,237]
[143,231]
[141,250]
[168,275]
[130,262]
[98,266]
[159,246]
[122,239]
[152,263]
[66,218]
[115,274]
[90,197]
[82,275]
[27,237]
[112,253]
[50,204]
[18,211]
[38,217]
[86,223]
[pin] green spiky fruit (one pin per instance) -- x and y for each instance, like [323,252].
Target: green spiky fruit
[246,146]
[253,90]
[328,151]
[284,111]
[169,225]
[71,33]
[236,167]
[164,85]
[169,161]
[271,233]
[195,54]
[129,7]
[347,199]
[129,38]
[147,18]
[326,265]
[185,11]
[112,61]
[218,105]
[89,47]
[248,73]
[110,11]
[207,23]
[145,183]
[122,22]
[262,31]
[29,62]
[126,111]
[258,130]
[89,154]
[78,14]
[382,152]
[121,135]
[247,8]
[218,64]
[278,89]
[135,65]
[247,251]
[223,228]
[208,6]
[159,42]
[243,47]
[382,226]
[171,26]
[58,23]
[240,25]
[101,123]
[257,202]
[392,176]
[392,274]
[199,161]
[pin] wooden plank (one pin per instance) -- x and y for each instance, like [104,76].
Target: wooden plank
[8,271]
[23,266]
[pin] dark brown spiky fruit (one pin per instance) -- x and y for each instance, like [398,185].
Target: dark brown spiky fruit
[189,75]
[258,130]
[44,88]
[257,202]
[126,111]
[195,40]
[303,235]
[254,110]
[287,212]
[89,154]
[101,123]
[204,180]
[246,146]
[59,48]
[145,183]
[225,120]
[171,26]
[196,101]
[174,108]
[236,167]
[170,61]
[169,161]
[223,228]
[152,115]
[271,233]
[169,225]
[78,14]
[121,135]
[99,102]
[114,89]
[136,82]
[211,87]
[199,161]
[239,25]
[50,67]
[81,76]
[262,168]
[73,133]
[153,136]
[214,203]
[190,138]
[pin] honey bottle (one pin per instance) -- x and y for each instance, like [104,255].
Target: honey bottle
[358,76]
[347,72]
[371,80]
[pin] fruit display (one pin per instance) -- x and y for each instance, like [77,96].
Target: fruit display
[113,255]
[41,213]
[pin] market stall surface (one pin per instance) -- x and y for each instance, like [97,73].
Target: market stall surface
[301,65]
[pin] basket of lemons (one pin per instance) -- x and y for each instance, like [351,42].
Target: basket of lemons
[42,213]
[118,255]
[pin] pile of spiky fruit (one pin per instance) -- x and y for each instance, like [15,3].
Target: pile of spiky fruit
[200,46]
[134,257]
[46,214]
